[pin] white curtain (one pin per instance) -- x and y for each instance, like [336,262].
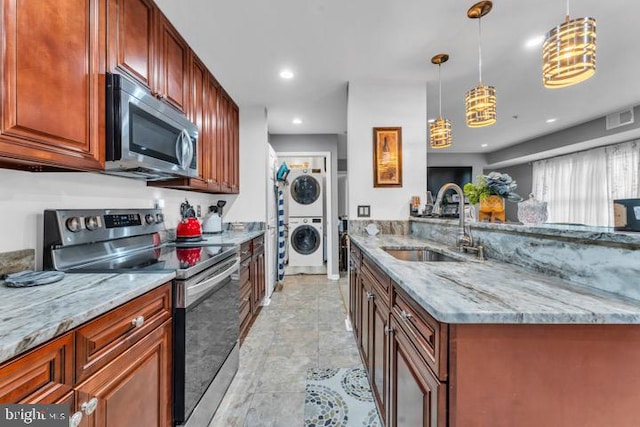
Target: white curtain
[579,188]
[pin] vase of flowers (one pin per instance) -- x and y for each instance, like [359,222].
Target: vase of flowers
[490,192]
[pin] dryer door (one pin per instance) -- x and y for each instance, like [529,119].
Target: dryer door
[305,239]
[305,189]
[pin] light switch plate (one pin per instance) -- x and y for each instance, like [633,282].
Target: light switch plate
[364,211]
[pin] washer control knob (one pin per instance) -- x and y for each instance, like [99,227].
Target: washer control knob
[74,224]
[305,220]
[149,219]
[92,222]
[159,218]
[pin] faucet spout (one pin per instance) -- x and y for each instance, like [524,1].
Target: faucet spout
[464,235]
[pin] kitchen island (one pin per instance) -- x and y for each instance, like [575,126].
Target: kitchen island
[487,343]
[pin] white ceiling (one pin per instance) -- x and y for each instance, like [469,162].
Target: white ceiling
[328,43]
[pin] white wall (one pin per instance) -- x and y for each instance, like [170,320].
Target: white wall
[250,204]
[476,161]
[380,104]
[25,195]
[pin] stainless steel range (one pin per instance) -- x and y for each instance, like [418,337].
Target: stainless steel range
[205,299]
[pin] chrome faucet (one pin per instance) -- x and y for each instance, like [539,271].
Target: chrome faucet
[464,235]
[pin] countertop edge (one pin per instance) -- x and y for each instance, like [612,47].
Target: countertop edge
[501,318]
[41,335]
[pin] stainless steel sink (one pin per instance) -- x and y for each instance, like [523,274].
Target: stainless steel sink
[423,255]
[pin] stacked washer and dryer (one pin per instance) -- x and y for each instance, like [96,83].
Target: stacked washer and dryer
[306,217]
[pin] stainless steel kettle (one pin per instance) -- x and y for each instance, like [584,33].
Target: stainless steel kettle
[212,222]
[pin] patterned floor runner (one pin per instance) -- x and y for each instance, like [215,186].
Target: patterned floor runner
[339,397]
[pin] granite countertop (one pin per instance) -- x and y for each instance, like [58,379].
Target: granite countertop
[229,237]
[475,291]
[34,315]
[593,235]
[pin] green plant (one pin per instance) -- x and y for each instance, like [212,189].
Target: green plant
[495,183]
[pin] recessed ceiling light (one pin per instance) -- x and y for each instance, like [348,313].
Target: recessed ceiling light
[286,74]
[484,145]
[534,42]
[551,120]
[297,121]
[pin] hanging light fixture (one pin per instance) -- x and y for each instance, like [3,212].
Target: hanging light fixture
[440,129]
[569,52]
[480,101]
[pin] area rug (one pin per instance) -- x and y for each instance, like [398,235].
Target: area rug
[339,397]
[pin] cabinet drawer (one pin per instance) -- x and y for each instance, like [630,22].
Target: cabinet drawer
[379,279]
[258,244]
[245,250]
[43,375]
[101,340]
[429,336]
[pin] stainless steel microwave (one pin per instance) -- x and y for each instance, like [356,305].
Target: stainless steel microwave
[146,138]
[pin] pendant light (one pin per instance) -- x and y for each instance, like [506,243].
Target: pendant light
[569,52]
[480,101]
[440,129]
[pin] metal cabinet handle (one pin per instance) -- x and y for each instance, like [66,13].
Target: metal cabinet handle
[388,330]
[370,295]
[137,322]
[405,315]
[75,419]
[89,407]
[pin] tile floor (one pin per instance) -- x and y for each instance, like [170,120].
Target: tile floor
[302,328]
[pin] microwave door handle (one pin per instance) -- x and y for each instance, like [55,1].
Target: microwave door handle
[184,153]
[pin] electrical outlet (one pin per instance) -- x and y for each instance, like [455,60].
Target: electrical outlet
[198,211]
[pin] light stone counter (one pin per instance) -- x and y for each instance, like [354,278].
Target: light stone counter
[476,291]
[232,237]
[34,315]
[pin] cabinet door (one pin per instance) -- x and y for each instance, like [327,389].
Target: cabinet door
[197,114]
[53,94]
[131,32]
[417,398]
[354,298]
[378,354]
[213,136]
[235,149]
[173,70]
[224,148]
[262,288]
[134,389]
[365,319]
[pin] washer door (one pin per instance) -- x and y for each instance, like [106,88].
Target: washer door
[305,189]
[305,239]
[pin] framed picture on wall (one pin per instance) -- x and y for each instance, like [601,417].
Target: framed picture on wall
[387,157]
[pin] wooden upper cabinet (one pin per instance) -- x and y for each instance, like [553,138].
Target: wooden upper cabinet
[131,35]
[173,65]
[143,44]
[213,146]
[198,115]
[235,143]
[52,88]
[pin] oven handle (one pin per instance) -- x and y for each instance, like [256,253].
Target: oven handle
[208,284]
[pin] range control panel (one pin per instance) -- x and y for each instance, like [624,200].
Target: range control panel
[75,226]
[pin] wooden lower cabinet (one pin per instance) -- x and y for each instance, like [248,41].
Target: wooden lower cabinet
[379,353]
[417,398]
[131,388]
[142,374]
[252,282]
[354,297]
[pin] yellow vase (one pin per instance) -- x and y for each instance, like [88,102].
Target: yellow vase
[492,209]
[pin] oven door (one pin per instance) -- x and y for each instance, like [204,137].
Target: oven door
[144,134]
[206,332]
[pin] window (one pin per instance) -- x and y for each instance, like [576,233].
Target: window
[580,187]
